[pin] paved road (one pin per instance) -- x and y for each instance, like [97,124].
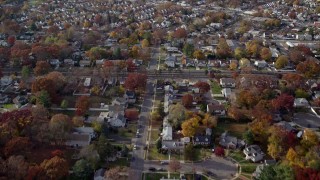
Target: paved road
[137,164]
[222,168]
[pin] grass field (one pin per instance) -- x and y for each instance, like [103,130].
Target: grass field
[215,87]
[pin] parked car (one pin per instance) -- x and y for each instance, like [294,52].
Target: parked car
[163,162]
[152,169]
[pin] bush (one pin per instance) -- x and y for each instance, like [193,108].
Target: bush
[219,151]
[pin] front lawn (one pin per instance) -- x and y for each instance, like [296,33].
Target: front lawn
[215,87]
[233,128]
[154,155]
[128,132]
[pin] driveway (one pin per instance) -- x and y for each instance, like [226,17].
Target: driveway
[306,120]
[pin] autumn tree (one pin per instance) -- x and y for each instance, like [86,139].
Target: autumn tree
[174,165]
[309,68]
[223,49]
[131,114]
[187,100]
[276,142]
[204,87]
[309,139]
[145,43]
[43,98]
[82,105]
[296,56]
[190,126]
[247,98]
[58,79]
[55,168]
[134,51]
[281,62]
[43,84]
[253,48]
[283,102]
[116,173]
[198,54]
[239,53]
[96,53]
[135,81]
[17,167]
[42,68]
[16,145]
[265,54]
[59,126]
[177,114]
[11,40]
[219,151]
[20,53]
[180,33]
[209,121]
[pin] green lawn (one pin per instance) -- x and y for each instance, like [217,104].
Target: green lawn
[128,132]
[233,128]
[248,168]
[120,162]
[154,155]
[154,135]
[9,106]
[215,87]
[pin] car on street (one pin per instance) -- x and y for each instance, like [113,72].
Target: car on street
[134,147]
[152,169]
[163,162]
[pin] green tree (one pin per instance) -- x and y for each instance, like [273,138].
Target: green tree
[188,50]
[117,53]
[104,148]
[43,98]
[159,144]
[25,72]
[64,104]
[190,153]
[82,169]
[91,155]
[248,136]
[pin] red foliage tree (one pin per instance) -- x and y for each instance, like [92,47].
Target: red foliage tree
[20,52]
[219,151]
[5,53]
[131,114]
[135,80]
[187,100]
[55,168]
[306,173]
[15,122]
[290,140]
[42,67]
[130,65]
[16,145]
[57,152]
[46,84]
[304,49]
[35,172]
[82,105]
[284,101]
[11,40]
[203,86]
[180,33]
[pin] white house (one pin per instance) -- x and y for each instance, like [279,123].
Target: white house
[260,64]
[167,133]
[301,102]
[226,92]
[216,109]
[253,153]
[118,120]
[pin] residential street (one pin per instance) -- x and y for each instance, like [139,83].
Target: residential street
[137,164]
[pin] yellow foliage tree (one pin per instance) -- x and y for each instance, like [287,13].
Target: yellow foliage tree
[189,127]
[145,43]
[198,54]
[309,139]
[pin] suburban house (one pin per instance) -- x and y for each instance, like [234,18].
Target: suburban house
[230,142]
[167,133]
[260,64]
[301,102]
[120,102]
[226,92]
[227,83]
[130,96]
[117,120]
[99,174]
[86,130]
[286,126]
[216,109]
[170,61]
[20,101]
[253,153]
[4,99]
[201,140]
[78,140]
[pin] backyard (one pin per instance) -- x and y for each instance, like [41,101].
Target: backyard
[215,87]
